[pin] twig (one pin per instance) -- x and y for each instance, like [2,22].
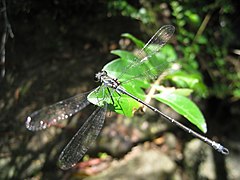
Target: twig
[153,89]
[174,67]
[7,31]
[202,27]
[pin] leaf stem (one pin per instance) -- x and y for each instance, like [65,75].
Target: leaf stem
[153,89]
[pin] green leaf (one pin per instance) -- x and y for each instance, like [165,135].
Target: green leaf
[185,107]
[119,68]
[193,81]
[179,91]
[183,91]
[236,93]
[193,17]
[202,40]
[129,66]
[119,103]
[124,55]
[136,41]
[183,79]
[116,69]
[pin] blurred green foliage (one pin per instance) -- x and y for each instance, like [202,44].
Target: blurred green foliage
[201,50]
[126,9]
[203,32]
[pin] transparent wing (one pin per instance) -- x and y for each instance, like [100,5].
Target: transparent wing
[81,141]
[157,41]
[47,116]
[160,38]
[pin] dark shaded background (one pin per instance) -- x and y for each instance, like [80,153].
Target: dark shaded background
[57,48]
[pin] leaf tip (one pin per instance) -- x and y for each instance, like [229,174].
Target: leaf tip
[204,128]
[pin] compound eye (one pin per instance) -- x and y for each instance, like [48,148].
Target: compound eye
[96,79]
[104,72]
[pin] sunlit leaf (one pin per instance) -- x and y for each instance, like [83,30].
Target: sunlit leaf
[124,55]
[186,80]
[136,41]
[119,103]
[185,107]
[179,91]
[183,91]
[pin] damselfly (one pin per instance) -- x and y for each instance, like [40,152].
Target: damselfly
[79,144]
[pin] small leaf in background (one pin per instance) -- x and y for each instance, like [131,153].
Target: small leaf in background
[103,155]
[185,107]
[236,93]
[193,81]
[202,40]
[183,79]
[180,91]
[136,41]
[183,91]
[192,17]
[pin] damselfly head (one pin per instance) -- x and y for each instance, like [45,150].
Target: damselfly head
[99,75]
